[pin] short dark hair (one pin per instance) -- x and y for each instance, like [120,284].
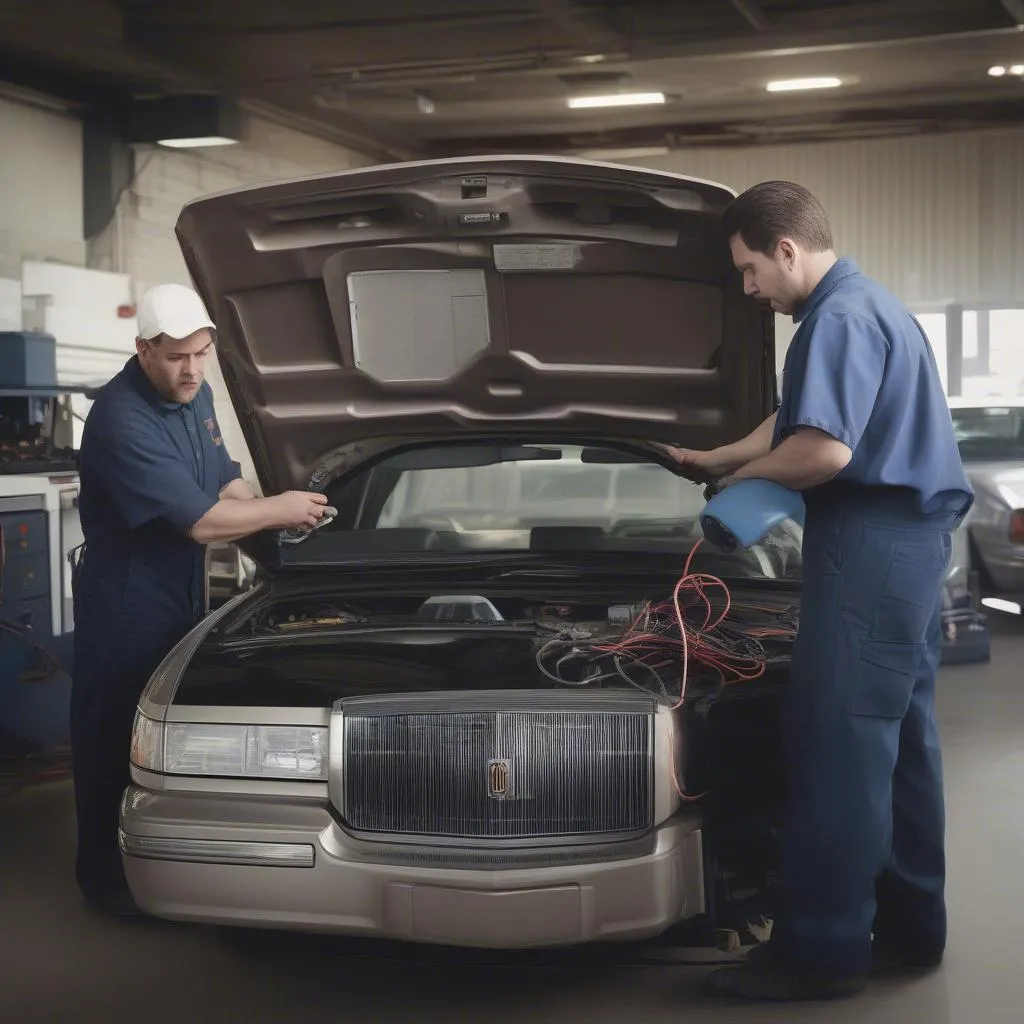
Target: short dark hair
[765,214]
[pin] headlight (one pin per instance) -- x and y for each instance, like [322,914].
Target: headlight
[239,751]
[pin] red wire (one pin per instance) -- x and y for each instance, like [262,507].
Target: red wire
[699,643]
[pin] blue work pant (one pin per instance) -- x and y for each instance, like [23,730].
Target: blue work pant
[863,845]
[120,640]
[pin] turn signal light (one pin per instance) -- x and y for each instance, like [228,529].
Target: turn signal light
[1017,526]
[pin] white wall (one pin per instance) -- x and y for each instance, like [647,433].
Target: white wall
[40,196]
[935,218]
[140,241]
[40,187]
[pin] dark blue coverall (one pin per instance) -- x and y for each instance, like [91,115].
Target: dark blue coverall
[150,469]
[863,847]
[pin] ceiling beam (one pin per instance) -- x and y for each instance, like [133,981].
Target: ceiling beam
[76,87]
[1015,9]
[752,131]
[752,15]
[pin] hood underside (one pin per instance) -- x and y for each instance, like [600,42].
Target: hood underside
[479,296]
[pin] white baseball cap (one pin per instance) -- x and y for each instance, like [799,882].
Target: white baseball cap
[174,310]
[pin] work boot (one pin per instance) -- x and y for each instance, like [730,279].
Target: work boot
[771,979]
[885,958]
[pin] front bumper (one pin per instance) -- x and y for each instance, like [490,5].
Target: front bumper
[217,860]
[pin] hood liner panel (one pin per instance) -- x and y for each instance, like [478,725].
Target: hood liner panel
[365,305]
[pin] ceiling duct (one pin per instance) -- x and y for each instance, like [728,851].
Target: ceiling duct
[594,80]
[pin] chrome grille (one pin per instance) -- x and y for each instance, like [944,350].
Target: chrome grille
[508,765]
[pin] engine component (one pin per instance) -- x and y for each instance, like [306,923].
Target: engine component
[459,608]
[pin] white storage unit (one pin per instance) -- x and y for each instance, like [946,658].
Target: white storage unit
[79,307]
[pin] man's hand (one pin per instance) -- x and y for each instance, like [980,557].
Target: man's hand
[718,485]
[232,518]
[705,466]
[696,464]
[295,510]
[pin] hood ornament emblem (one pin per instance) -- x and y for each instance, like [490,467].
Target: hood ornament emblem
[499,778]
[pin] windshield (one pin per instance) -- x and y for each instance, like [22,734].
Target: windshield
[531,498]
[990,434]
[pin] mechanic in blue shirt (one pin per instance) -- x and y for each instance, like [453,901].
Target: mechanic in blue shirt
[864,431]
[157,483]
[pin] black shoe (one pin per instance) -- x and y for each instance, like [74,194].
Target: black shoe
[760,953]
[118,903]
[885,959]
[769,978]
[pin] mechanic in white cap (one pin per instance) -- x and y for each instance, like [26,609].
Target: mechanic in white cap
[157,483]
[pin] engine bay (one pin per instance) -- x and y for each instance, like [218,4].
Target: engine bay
[676,643]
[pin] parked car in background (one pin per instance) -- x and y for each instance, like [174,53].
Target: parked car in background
[991,440]
[965,632]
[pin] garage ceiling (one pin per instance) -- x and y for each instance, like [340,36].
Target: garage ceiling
[402,78]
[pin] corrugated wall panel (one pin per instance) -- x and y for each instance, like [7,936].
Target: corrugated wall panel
[935,218]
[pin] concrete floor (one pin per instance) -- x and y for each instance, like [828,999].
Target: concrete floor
[61,965]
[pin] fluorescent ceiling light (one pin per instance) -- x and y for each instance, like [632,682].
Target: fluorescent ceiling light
[1017,69]
[799,84]
[618,99]
[196,143]
[997,71]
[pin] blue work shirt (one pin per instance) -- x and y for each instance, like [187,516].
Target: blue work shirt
[860,369]
[149,469]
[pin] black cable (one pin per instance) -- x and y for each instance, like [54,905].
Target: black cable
[643,664]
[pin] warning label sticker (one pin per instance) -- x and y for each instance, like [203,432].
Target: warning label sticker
[511,258]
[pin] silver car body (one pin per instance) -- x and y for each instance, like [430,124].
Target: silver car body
[998,483]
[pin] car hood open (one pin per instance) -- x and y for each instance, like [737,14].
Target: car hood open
[494,296]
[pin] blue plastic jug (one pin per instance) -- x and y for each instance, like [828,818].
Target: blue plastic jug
[749,510]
